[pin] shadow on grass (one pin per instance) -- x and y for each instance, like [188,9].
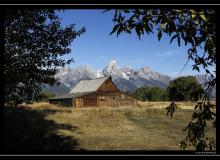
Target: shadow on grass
[27,129]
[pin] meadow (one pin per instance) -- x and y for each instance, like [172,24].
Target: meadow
[42,126]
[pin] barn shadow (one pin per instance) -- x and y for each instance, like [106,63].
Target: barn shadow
[28,130]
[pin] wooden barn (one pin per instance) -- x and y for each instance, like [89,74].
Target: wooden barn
[96,92]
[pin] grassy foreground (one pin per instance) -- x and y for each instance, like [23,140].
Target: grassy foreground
[42,126]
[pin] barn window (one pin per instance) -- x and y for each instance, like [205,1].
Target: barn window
[102,98]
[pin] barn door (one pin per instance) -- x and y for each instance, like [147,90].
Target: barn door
[101,101]
[78,102]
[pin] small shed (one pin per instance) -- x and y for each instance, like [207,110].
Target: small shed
[96,92]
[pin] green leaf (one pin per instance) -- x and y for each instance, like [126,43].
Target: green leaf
[126,11]
[138,32]
[114,29]
[203,17]
[106,10]
[128,29]
[178,40]
[193,15]
[159,35]
[119,31]
[207,71]
[173,37]
[193,11]
[141,30]
[195,67]
[196,106]
[133,17]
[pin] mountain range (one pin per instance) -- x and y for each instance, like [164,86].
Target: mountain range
[126,78]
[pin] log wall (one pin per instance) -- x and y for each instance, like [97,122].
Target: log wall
[108,86]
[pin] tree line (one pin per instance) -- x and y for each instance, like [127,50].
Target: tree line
[180,89]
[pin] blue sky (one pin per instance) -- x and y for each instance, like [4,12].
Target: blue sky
[96,47]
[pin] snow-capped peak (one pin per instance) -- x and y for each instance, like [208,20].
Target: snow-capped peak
[125,76]
[112,64]
[99,74]
[111,67]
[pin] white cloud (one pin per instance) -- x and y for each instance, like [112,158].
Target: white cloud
[166,53]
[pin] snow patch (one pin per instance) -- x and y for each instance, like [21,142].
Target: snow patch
[125,76]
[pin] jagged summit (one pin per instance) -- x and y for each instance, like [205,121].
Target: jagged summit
[113,62]
[110,68]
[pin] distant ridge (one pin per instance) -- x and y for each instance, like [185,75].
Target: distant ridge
[126,78]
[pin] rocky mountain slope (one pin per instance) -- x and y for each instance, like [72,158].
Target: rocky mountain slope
[126,78]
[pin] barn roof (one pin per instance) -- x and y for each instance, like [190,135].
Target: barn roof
[70,95]
[89,85]
[83,87]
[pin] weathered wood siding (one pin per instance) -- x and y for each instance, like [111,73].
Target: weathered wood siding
[125,100]
[115,99]
[85,101]
[78,102]
[108,86]
[90,100]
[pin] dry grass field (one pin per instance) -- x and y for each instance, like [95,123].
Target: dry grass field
[163,105]
[42,126]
